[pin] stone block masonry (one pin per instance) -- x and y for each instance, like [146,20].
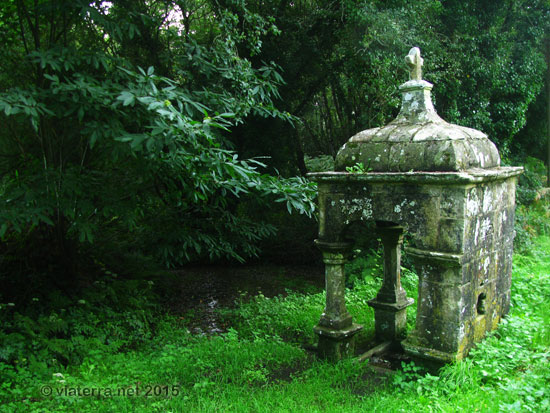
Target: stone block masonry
[443,186]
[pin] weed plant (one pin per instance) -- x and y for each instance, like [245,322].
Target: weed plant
[118,338]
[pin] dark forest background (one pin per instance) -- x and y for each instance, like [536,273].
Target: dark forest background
[176,131]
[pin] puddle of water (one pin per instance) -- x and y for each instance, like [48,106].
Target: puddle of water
[208,322]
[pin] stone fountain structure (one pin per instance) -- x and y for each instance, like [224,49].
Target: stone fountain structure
[442,184]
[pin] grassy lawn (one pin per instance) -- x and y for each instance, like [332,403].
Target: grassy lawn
[116,349]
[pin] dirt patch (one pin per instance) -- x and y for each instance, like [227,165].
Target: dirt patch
[287,373]
[372,380]
[390,361]
[195,293]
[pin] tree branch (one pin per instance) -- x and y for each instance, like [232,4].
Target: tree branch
[21,27]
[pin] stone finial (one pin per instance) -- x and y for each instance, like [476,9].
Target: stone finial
[415,62]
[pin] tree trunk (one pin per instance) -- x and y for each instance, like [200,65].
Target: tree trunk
[299,153]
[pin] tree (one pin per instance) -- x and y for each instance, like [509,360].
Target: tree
[342,63]
[113,115]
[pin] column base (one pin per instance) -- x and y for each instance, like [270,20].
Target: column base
[390,319]
[339,324]
[336,344]
[426,353]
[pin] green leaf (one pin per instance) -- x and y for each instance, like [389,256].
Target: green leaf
[80,113]
[3,229]
[127,98]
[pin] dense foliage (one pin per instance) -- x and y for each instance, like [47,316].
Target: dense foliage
[126,122]
[342,62]
[114,117]
[118,337]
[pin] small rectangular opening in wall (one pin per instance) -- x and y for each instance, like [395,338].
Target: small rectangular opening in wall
[480,306]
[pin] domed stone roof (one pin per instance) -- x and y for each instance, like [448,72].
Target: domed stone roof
[418,139]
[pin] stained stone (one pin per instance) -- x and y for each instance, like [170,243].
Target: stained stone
[391,303]
[441,145]
[443,185]
[335,329]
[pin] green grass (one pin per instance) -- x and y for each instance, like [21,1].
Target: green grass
[260,364]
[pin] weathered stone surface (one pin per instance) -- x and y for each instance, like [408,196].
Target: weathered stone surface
[336,344]
[451,225]
[391,301]
[335,329]
[442,184]
[336,315]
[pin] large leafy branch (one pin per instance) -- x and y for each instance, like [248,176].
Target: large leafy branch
[96,147]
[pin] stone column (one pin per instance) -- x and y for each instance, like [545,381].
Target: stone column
[336,329]
[390,305]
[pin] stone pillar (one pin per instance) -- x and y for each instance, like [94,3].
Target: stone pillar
[445,328]
[336,329]
[390,305]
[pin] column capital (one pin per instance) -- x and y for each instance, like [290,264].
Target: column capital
[334,253]
[334,247]
[391,234]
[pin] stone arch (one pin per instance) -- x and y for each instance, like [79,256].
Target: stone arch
[444,185]
[336,328]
